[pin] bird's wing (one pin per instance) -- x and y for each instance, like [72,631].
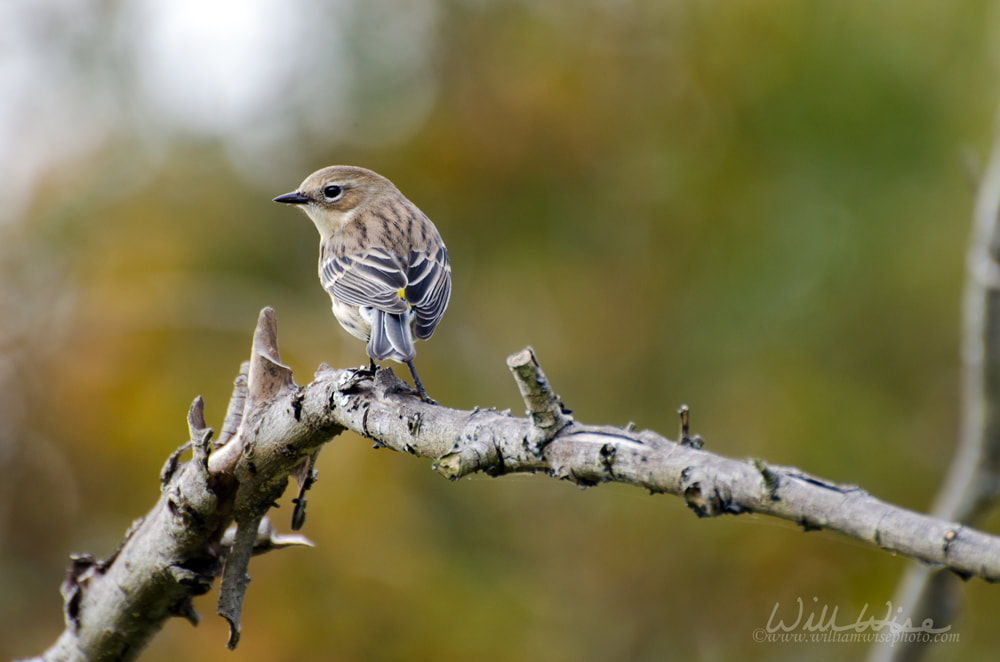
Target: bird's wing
[373,278]
[428,288]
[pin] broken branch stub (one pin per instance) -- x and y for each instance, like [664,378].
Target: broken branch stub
[543,407]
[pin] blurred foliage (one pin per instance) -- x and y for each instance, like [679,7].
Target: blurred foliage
[756,208]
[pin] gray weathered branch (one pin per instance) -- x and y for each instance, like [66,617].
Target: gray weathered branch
[114,606]
[463,442]
[973,481]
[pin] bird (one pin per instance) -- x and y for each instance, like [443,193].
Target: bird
[381,260]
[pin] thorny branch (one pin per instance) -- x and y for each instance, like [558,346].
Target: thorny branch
[113,607]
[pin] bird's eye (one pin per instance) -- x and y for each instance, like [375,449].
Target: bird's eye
[333,192]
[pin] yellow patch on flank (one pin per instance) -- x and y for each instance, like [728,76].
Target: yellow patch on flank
[401,294]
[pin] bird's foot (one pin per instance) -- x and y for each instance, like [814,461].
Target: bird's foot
[369,371]
[421,393]
[426,398]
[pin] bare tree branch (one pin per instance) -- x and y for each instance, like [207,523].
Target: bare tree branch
[114,606]
[973,481]
[464,442]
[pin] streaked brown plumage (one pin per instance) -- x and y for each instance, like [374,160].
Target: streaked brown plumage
[380,258]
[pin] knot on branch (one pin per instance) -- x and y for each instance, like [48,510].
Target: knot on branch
[476,450]
[707,496]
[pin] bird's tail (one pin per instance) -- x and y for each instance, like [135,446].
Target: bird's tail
[391,336]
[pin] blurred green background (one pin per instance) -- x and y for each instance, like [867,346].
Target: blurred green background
[757,208]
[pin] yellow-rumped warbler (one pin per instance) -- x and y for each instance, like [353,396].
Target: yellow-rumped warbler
[380,258]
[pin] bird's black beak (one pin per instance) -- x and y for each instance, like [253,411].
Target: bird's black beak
[293,198]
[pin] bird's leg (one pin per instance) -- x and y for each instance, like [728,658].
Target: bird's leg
[420,387]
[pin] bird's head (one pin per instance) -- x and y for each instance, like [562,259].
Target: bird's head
[332,196]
